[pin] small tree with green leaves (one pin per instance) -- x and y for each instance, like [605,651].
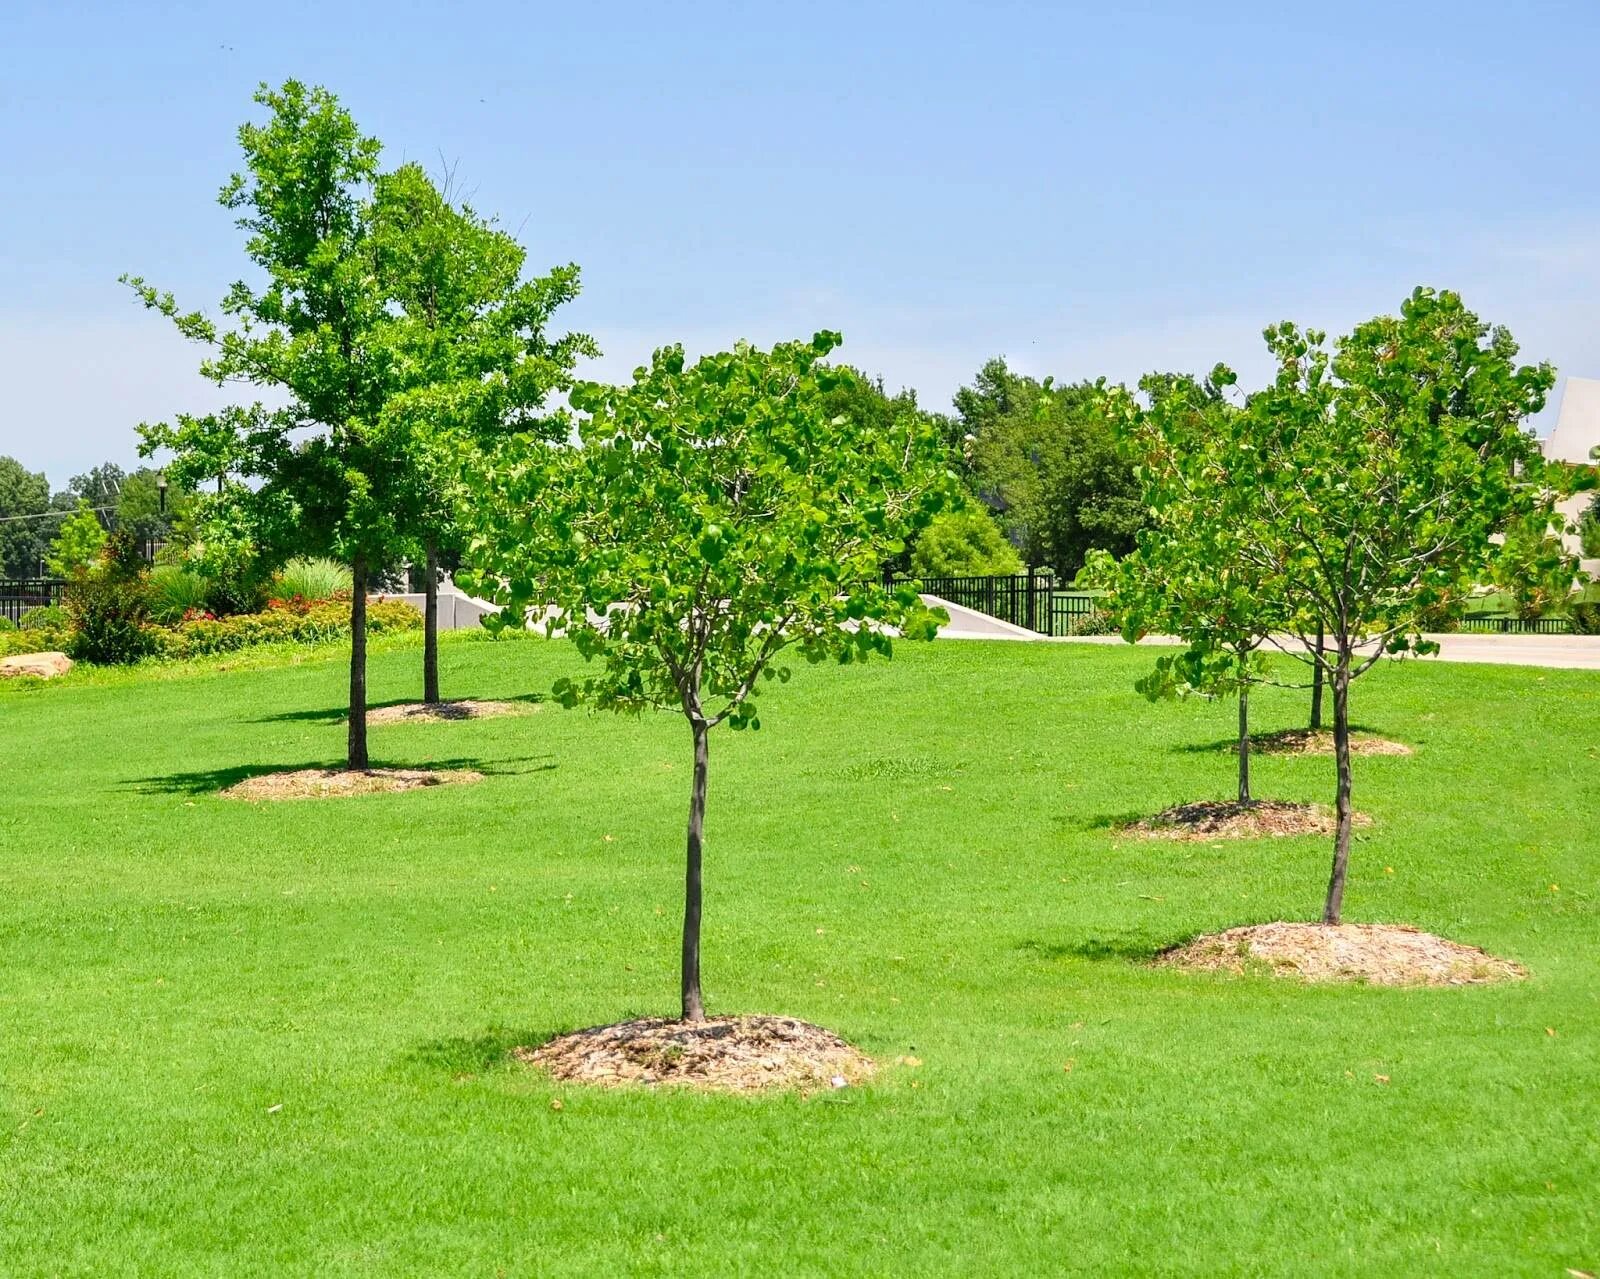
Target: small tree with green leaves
[715,516]
[1187,575]
[79,542]
[1370,484]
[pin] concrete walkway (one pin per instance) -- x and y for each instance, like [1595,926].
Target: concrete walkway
[1568,652]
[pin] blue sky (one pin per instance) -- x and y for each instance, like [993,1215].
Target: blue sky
[1087,189]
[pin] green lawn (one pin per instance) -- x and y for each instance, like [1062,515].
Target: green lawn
[242,1040]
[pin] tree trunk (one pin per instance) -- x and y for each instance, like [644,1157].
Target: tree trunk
[1244,743]
[1316,686]
[430,628]
[693,1006]
[1334,907]
[356,753]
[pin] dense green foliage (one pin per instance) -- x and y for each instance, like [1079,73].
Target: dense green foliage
[174,591]
[1047,458]
[24,538]
[964,542]
[77,543]
[108,606]
[274,1040]
[317,623]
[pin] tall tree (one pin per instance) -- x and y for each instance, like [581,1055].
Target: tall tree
[476,359]
[1372,483]
[1047,459]
[25,527]
[714,516]
[317,329]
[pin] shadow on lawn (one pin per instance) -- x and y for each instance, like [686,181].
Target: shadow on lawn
[1129,948]
[1226,744]
[208,781]
[336,714]
[473,1054]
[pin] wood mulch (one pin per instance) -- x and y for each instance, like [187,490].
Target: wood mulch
[336,783]
[446,712]
[1305,741]
[1229,819]
[736,1054]
[1378,954]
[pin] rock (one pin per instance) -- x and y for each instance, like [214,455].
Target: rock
[42,665]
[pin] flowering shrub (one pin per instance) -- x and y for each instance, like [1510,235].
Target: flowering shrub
[313,623]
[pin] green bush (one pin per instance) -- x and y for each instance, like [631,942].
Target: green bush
[311,624]
[1098,622]
[1586,618]
[311,579]
[964,543]
[109,606]
[175,591]
[47,617]
[6,624]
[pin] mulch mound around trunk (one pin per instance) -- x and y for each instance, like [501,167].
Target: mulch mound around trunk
[1229,819]
[444,712]
[336,783]
[1306,741]
[735,1054]
[1379,954]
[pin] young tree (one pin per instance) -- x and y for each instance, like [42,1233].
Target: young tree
[1373,483]
[78,543]
[714,516]
[1187,576]
[471,336]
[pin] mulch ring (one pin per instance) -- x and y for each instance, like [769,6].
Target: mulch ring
[1307,741]
[1229,819]
[335,783]
[1379,954]
[734,1054]
[445,712]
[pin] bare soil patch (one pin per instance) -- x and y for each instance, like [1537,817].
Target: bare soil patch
[736,1054]
[1306,741]
[336,783]
[445,712]
[1378,954]
[1229,819]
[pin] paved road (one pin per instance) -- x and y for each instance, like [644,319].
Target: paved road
[1572,652]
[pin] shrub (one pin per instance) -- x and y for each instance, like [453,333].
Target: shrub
[1098,622]
[47,617]
[964,543]
[6,624]
[109,606]
[314,624]
[1586,618]
[175,592]
[311,579]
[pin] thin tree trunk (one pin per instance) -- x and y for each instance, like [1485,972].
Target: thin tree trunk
[1244,743]
[356,753]
[1316,686]
[430,628]
[693,1006]
[1334,907]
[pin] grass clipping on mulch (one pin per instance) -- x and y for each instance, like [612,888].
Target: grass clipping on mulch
[444,712]
[1229,819]
[1379,954]
[736,1054]
[336,783]
[1307,741]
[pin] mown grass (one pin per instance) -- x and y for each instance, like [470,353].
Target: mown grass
[251,1040]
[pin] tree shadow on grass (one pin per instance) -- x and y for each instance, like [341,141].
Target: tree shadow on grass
[337,714]
[1127,947]
[474,1054]
[1227,744]
[208,781]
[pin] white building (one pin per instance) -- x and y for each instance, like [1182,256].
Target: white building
[1576,435]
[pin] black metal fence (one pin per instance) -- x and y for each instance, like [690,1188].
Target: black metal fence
[1495,624]
[1032,602]
[18,595]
